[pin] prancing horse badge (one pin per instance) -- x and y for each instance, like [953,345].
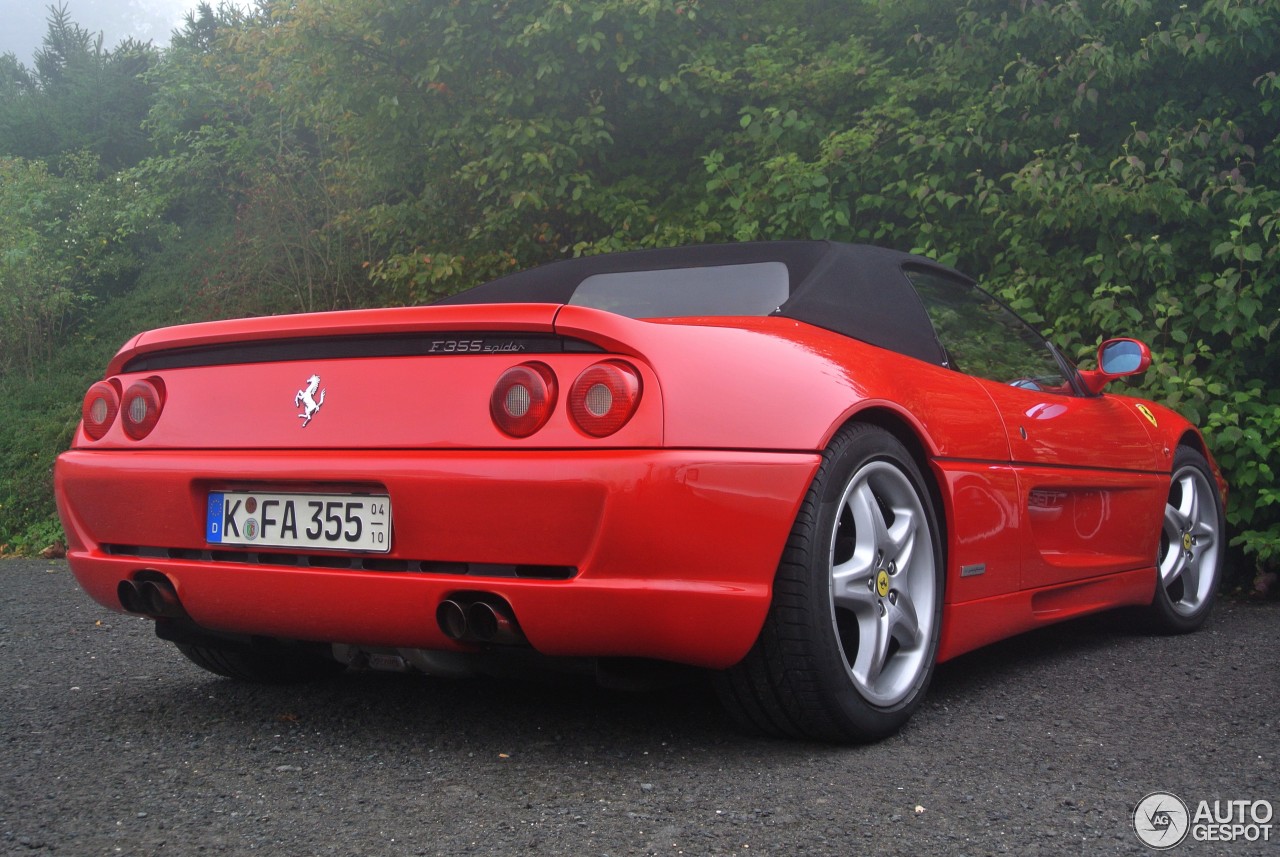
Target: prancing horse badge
[306,399]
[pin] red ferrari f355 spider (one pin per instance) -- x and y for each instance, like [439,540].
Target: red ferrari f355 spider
[816,469]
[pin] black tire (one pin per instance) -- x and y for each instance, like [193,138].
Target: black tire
[1192,547]
[864,564]
[263,662]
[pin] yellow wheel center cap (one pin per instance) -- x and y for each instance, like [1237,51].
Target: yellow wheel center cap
[1186,541]
[882,583]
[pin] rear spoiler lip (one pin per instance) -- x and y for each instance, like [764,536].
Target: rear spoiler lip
[600,328]
[512,318]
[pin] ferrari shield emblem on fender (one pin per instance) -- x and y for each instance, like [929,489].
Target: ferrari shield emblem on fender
[306,399]
[1146,412]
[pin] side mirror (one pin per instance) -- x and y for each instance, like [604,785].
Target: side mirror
[1117,358]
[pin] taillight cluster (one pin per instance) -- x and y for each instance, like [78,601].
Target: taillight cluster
[523,399]
[138,409]
[600,401]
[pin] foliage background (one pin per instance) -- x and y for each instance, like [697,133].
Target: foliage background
[1110,167]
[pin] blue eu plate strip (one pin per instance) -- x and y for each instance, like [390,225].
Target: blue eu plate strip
[213,524]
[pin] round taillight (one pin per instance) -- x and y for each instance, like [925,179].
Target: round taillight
[604,397]
[140,409]
[101,404]
[523,399]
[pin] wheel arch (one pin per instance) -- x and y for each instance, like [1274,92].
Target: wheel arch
[908,434]
[1191,438]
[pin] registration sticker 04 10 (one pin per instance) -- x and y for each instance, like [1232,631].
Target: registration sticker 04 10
[353,522]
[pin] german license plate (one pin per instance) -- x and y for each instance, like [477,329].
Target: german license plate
[354,522]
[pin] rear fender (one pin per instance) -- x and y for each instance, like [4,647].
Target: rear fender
[777,383]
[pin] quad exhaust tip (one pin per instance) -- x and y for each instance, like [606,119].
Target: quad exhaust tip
[485,619]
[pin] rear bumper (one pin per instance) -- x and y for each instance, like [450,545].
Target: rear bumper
[668,553]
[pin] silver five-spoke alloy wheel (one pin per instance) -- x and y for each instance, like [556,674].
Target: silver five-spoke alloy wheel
[1189,543]
[883,584]
[1192,546]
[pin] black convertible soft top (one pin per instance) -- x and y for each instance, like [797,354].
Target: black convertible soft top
[856,290]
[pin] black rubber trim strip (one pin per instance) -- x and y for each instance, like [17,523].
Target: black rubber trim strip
[342,562]
[444,344]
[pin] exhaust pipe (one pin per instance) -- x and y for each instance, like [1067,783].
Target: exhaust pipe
[452,619]
[161,599]
[130,597]
[493,623]
[486,619]
[153,596]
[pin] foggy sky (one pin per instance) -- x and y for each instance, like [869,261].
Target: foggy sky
[23,22]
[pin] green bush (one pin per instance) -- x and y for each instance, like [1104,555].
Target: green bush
[39,411]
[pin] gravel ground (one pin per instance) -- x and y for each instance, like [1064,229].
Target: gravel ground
[111,743]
